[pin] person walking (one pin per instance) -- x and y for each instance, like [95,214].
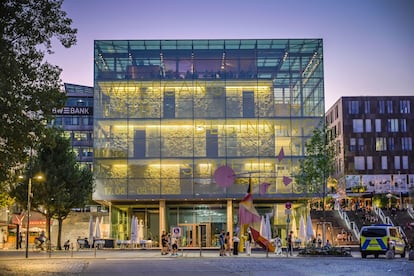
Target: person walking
[228,244]
[222,243]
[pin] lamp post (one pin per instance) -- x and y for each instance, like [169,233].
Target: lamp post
[29,196]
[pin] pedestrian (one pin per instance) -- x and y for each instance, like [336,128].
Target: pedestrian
[20,240]
[236,242]
[319,241]
[278,246]
[222,243]
[248,242]
[174,247]
[164,243]
[228,243]
[290,244]
[67,245]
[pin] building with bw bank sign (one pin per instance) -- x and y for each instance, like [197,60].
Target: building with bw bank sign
[169,113]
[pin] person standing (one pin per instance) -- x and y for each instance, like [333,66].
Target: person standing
[290,244]
[227,241]
[248,242]
[236,242]
[222,243]
[278,245]
[20,240]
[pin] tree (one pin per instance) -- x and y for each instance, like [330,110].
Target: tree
[317,165]
[29,87]
[66,185]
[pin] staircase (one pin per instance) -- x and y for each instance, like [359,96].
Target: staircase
[403,219]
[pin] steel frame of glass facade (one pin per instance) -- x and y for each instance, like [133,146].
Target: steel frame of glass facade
[168,113]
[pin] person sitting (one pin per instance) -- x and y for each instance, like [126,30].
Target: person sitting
[328,245]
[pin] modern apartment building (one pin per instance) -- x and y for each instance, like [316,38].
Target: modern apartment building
[374,138]
[76,118]
[169,113]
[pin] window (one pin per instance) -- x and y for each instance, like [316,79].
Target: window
[359,163]
[384,163]
[353,107]
[381,107]
[397,164]
[369,163]
[405,162]
[405,106]
[361,144]
[367,107]
[380,144]
[406,143]
[368,127]
[377,125]
[358,125]
[389,107]
[391,143]
[352,144]
[403,125]
[392,125]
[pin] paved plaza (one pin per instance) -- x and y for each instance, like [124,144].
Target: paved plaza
[192,262]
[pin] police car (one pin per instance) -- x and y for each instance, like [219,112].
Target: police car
[381,238]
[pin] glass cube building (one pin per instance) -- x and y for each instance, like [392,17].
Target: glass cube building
[169,113]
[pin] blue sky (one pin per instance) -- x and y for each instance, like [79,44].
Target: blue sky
[368,44]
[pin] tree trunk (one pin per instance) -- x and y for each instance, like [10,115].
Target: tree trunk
[59,237]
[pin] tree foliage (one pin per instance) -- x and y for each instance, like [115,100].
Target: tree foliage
[29,86]
[317,165]
[66,185]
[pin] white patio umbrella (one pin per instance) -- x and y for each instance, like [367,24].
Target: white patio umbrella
[134,229]
[268,228]
[309,228]
[90,229]
[97,229]
[140,231]
[302,230]
[262,230]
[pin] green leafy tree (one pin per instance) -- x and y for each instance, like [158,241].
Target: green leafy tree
[65,184]
[317,165]
[30,87]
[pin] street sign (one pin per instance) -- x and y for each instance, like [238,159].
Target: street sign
[288,205]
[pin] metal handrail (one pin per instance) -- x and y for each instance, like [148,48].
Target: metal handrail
[349,224]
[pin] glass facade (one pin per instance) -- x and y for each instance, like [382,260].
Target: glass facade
[168,113]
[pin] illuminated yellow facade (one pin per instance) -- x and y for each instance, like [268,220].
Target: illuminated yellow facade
[167,114]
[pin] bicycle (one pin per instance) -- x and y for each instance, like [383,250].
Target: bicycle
[45,246]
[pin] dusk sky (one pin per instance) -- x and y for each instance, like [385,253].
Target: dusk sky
[368,44]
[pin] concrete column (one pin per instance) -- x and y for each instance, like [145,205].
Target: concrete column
[162,211]
[230,217]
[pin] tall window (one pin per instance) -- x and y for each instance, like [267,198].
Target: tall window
[358,125]
[367,107]
[369,163]
[380,144]
[368,127]
[405,162]
[392,125]
[397,164]
[377,125]
[406,143]
[381,107]
[389,107]
[359,163]
[391,143]
[353,107]
[361,144]
[405,106]
[384,163]
[403,125]
[352,144]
